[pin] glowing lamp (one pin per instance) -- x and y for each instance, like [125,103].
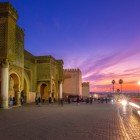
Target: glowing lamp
[124,102]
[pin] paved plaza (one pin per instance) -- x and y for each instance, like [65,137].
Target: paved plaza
[70,122]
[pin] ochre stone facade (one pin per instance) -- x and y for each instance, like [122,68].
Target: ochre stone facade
[72,82]
[85,89]
[21,73]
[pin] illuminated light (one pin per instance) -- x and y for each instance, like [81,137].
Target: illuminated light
[138,112]
[138,82]
[112,101]
[124,102]
[95,95]
[134,105]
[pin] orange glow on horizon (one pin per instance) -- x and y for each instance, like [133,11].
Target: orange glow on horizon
[109,88]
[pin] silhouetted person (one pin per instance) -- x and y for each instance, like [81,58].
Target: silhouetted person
[54,100]
[21,100]
[61,101]
[10,101]
[106,100]
[68,100]
[87,100]
[50,100]
[102,100]
[14,101]
[91,100]
[78,100]
[39,101]
[36,100]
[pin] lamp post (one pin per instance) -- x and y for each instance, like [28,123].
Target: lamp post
[121,82]
[113,82]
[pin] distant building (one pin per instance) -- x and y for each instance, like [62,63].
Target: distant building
[85,89]
[72,82]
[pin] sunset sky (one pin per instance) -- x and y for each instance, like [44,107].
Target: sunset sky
[101,37]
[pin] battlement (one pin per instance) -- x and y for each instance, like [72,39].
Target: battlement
[85,84]
[7,9]
[72,70]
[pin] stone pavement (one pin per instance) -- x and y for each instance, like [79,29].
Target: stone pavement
[131,122]
[70,122]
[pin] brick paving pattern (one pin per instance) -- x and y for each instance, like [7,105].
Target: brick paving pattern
[70,122]
[131,123]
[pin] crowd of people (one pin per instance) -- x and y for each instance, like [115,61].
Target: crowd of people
[88,100]
[52,100]
[77,99]
[13,100]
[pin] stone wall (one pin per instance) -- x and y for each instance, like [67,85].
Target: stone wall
[30,69]
[8,19]
[72,82]
[19,48]
[85,89]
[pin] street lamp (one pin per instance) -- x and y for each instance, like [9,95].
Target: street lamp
[121,82]
[113,82]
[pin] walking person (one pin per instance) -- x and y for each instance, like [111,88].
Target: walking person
[21,100]
[69,100]
[50,100]
[10,101]
[61,101]
[78,100]
[87,100]
[91,100]
[106,100]
[39,101]
[54,100]
[36,100]
[14,101]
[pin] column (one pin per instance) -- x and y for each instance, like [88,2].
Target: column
[60,88]
[51,88]
[18,98]
[4,83]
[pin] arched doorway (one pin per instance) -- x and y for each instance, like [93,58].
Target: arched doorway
[44,91]
[14,85]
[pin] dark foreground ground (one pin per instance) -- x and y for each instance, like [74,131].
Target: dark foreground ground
[70,122]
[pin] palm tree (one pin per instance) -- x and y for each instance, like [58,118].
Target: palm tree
[121,82]
[113,82]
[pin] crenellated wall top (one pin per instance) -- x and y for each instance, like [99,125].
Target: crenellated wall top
[72,70]
[85,84]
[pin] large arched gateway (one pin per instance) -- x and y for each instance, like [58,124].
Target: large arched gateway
[22,73]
